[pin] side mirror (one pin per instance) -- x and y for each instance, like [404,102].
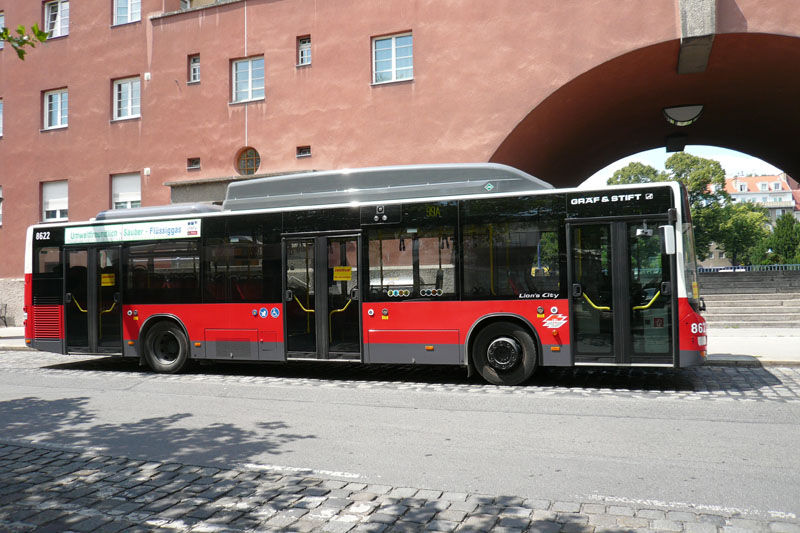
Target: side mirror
[667,239]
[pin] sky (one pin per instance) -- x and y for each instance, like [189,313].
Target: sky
[733,162]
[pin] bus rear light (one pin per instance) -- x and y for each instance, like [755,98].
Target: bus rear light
[555,348]
[429,348]
[130,343]
[27,341]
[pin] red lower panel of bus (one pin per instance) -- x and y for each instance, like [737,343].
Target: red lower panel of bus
[432,323]
[692,328]
[211,322]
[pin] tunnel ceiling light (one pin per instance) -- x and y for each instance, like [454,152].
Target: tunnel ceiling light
[683,115]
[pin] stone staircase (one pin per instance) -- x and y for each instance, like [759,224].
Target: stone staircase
[751,299]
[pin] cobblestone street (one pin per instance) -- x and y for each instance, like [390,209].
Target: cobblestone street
[45,487]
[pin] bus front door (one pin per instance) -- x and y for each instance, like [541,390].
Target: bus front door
[92,300]
[322,315]
[622,298]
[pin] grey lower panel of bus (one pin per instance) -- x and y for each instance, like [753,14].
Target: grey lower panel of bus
[560,358]
[690,358]
[55,346]
[442,354]
[240,351]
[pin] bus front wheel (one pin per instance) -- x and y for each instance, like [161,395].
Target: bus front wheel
[166,347]
[504,353]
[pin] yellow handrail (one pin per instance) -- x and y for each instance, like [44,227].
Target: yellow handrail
[81,309]
[330,318]
[301,305]
[100,322]
[643,307]
[601,308]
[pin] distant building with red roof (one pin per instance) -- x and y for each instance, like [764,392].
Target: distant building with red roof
[778,194]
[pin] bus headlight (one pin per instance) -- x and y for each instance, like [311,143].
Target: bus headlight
[701,341]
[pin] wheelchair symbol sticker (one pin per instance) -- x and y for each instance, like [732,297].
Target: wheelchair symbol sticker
[275,312]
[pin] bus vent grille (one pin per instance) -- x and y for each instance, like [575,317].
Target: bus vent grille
[47,322]
[46,300]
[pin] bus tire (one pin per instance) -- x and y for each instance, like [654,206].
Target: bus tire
[504,353]
[166,347]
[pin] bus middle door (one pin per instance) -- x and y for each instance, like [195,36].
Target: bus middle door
[321,297]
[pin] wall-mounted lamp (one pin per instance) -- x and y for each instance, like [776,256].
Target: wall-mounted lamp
[683,115]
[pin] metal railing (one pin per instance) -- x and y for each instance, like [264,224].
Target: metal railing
[748,268]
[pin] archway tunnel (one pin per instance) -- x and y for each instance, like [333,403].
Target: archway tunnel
[748,93]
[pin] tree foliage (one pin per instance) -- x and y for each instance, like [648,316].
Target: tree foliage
[745,226]
[23,38]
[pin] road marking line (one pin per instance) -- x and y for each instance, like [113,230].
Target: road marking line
[681,505]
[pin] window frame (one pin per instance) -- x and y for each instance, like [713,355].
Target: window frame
[129,19]
[60,26]
[304,45]
[132,198]
[251,89]
[2,25]
[242,155]
[116,85]
[1,118]
[394,58]
[63,109]
[62,214]
[193,69]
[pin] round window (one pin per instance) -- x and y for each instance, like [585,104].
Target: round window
[248,161]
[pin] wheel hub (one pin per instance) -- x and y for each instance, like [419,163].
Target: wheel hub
[504,353]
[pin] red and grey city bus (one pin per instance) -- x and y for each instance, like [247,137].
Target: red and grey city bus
[476,265]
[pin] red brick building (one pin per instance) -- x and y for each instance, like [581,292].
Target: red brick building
[140,102]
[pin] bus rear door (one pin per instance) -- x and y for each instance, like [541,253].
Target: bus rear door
[622,298]
[92,300]
[322,315]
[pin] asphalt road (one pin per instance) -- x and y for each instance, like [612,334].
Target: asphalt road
[702,437]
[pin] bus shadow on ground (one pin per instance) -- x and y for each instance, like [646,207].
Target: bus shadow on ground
[729,379]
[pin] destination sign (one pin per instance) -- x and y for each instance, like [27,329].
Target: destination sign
[139,231]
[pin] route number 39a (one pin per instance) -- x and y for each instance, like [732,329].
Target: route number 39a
[698,328]
[42,235]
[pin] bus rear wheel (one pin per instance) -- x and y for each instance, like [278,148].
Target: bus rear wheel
[504,353]
[166,347]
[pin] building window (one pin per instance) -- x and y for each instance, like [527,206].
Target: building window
[303,151]
[763,186]
[2,25]
[248,79]
[1,117]
[392,58]
[248,161]
[1,205]
[303,51]
[56,18]
[56,105]
[722,255]
[126,11]
[193,163]
[776,186]
[778,212]
[742,187]
[126,191]
[55,196]
[194,68]
[126,98]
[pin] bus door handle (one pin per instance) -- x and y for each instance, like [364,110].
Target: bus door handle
[666,288]
[117,297]
[68,297]
[577,290]
[354,293]
[289,295]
